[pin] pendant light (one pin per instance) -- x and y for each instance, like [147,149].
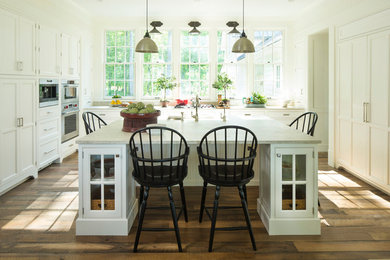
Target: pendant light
[234,25]
[243,45]
[194,24]
[156,24]
[146,45]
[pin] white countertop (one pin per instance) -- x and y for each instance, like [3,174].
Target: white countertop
[171,108]
[267,131]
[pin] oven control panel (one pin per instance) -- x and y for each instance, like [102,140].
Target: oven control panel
[70,107]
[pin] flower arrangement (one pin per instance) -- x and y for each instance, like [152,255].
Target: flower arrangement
[116,97]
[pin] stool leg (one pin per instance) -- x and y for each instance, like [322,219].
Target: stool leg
[202,201]
[141,196]
[214,220]
[183,201]
[246,213]
[174,218]
[141,218]
[246,196]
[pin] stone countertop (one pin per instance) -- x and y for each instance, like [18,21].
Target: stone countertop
[232,108]
[267,130]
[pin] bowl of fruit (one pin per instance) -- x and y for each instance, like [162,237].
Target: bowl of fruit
[137,116]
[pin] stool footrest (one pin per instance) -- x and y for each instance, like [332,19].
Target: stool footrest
[158,229]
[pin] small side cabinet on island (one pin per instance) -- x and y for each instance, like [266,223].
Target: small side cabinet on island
[106,205]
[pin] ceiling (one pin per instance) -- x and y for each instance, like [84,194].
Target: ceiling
[285,9]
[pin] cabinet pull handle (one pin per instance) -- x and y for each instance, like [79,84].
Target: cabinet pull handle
[18,122]
[48,129]
[70,145]
[286,114]
[21,119]
[102,114]
[50,151]
[364,112]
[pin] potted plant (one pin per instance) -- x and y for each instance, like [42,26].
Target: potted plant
[258,99]
[223,83]
[137,116]
[165,83]
[116,98]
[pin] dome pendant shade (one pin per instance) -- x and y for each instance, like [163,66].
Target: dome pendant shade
[243,45]
[146,45]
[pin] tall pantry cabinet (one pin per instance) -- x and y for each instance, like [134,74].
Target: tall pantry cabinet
[362,98]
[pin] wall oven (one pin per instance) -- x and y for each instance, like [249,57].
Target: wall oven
[48,92]
[70,109]
[70,91]
[70,121]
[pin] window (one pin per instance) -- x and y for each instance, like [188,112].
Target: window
[119,63]
[194,68]
[157,64]
[268,62]
[232,64]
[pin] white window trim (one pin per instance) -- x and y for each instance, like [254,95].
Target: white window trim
[105,97]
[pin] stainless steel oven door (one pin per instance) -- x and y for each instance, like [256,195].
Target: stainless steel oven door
[70,125]
[70,93]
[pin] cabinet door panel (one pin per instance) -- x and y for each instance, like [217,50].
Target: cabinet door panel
[8,130]
[345,80]
[26,110]
[74,56]
[26,45]
[65,42]
[48,54]
[378,159]
[379,80]
[360,148]
[8,44]
[360,89]
[345,141]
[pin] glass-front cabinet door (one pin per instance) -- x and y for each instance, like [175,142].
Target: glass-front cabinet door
[294,182]
[101,182]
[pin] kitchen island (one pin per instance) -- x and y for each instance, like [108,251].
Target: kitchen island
[285,171]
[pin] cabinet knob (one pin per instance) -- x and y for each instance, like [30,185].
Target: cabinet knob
[278,155]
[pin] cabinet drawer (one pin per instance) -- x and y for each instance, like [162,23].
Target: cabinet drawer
[48,128]
[48,151]
[49,112]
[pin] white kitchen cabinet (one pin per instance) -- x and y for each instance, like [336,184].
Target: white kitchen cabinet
[362,137]
[49,51]
[70,56]
[48,135]
[17,132]
[17,45]
[288,191]
[104,191]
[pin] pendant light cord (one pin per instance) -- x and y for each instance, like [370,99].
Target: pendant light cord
[147,12]
[243,15]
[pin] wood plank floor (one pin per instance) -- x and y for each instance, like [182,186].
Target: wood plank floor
[37,221]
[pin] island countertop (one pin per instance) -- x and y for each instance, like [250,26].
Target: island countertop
[267,130]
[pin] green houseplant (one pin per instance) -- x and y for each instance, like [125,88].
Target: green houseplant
[223,83]
[165,83]
[259,99]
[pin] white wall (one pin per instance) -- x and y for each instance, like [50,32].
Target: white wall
[327,15]
[177,25]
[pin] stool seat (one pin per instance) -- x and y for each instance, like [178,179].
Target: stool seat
[160,176]
[226,175]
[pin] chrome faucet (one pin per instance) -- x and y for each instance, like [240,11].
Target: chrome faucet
[197,104]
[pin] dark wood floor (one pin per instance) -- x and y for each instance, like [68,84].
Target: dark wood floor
[37,221]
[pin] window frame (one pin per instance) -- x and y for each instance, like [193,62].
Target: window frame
[104,44]
[143,96]
[281,64]
[189,63]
